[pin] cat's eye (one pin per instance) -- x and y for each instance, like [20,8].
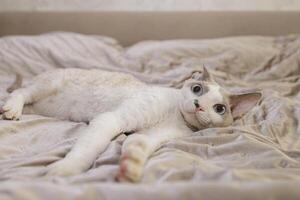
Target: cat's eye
[220,109]
[197,89]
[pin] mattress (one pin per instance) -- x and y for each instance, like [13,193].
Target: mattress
[258,157]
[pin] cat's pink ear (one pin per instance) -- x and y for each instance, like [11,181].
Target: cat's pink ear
[240,104]
[203,76]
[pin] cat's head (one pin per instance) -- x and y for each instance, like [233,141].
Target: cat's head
[206,104]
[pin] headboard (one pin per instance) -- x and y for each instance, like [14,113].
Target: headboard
[132,27]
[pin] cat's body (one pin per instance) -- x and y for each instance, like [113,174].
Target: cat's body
[113,103]
[80,95]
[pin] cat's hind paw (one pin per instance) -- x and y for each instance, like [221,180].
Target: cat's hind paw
[133,159]
[129,170]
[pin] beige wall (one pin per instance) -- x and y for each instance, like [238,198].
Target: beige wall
[149,5]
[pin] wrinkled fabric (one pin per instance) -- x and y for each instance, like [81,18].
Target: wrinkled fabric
[258,157]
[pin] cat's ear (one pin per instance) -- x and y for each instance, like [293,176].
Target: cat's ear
[206,76]
[240,104]
[203,76]
[196,74]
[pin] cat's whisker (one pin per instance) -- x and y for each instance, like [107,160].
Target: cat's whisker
[203,119]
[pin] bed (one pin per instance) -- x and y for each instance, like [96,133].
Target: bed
[258,157]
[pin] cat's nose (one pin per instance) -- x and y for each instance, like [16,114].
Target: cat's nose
[197,105]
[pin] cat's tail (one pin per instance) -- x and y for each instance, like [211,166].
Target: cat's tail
[16,84]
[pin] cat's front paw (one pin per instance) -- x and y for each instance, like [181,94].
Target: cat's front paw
[12,110]
[132,159]
[63,168]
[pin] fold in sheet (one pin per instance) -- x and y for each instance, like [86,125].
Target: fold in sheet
[258,157]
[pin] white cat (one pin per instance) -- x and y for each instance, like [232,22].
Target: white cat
[113,103]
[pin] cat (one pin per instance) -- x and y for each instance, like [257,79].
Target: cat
[114,103]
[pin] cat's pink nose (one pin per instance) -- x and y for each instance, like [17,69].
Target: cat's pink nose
[198,107]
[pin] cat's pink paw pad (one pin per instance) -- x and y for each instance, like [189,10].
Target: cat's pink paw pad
[129,169]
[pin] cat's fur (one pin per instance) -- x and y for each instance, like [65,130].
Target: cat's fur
[113,103]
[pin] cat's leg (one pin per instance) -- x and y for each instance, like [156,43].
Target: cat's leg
[130,115]
[39,88]
[93,141]
[137,148]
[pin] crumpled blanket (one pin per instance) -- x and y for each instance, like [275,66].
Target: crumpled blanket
[258,157]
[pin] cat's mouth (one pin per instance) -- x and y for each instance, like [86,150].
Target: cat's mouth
[199,109]
[194,110]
